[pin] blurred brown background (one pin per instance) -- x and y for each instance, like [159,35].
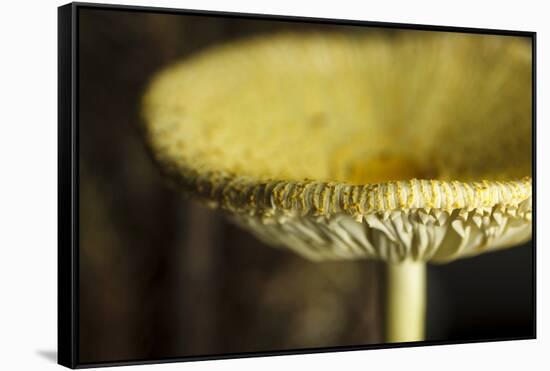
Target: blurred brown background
[161,276]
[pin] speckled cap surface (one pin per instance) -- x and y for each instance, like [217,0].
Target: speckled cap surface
[341,146]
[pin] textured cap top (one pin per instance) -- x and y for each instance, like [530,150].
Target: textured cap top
[415,146]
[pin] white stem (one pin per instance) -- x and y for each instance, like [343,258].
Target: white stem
[406,301]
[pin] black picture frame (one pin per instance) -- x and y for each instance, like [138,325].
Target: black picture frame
[68,179]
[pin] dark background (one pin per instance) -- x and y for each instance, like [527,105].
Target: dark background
[161,276]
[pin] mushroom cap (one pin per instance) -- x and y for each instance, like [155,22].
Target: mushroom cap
[413,146]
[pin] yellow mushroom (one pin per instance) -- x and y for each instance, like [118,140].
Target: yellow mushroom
[409,148]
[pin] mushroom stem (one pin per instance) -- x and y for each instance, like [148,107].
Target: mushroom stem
[406,301]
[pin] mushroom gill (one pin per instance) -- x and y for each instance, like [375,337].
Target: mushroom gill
[409,148]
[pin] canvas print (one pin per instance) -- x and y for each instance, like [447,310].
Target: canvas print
[252,185]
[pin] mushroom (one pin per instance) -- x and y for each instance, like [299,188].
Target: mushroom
[408,148]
